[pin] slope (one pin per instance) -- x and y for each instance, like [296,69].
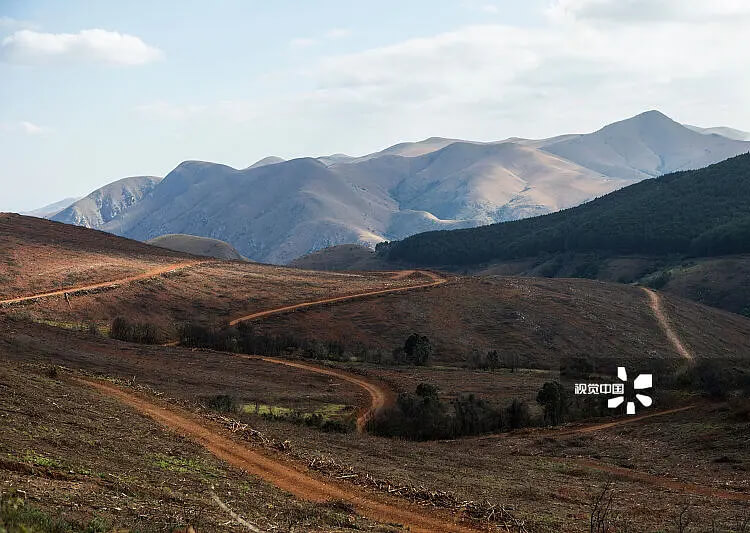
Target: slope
[190,244]
[678,213]
[645,146]
[106,203]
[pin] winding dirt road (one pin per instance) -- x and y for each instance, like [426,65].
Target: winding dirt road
[436,280]
[380,396]
[285,474]
[661,317]
[105,284]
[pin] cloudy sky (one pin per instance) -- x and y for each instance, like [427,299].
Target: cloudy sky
[92,91]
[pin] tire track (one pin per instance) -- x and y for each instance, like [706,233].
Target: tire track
[661,317]
[105,284]
[285,474]
[436,280]
[380,396]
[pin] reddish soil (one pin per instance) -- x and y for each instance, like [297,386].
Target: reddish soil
[105,285]
[656,307]
[380,396]
[436,280]
[285,474]
[659,481]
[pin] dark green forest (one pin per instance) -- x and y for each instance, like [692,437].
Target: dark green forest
[703,212]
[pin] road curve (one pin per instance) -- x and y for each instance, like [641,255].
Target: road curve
[380,396]
[436,280]
[661,317]
[105,284]
[284,473]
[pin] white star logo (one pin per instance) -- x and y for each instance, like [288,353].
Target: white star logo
[643,381]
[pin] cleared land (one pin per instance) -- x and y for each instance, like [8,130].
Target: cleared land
[542,321]
[63,438]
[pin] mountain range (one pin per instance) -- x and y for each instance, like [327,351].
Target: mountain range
[276,210]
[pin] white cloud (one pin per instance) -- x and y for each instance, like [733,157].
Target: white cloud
[630,11]
[11,24]
[493,80]
[24,127]
[87,46]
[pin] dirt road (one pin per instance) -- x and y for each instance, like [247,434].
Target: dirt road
[436,280]
[285,474]
[656,307]
[106,284]
[658,481]
[380,396]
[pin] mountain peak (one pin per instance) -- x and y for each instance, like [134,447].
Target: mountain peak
[270,160]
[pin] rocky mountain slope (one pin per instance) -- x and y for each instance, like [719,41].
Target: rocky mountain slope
[105,204]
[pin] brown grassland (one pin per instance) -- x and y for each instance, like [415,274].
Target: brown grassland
[78,454]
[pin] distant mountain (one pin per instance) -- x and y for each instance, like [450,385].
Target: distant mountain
[276,210]
[645,146]
[52,209]
[729,133]
[702,212]
[276,213]
[190,244]
[105,204]
[270,160]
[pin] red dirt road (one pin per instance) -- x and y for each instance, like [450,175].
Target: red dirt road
[105,284]
[436,280]
[380,396]
[655,303]
[286,474]
[659,481]
[619,422]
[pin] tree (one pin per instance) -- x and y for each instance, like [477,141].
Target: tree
[553,399]
[517,414]
[417,349]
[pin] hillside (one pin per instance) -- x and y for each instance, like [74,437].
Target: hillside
[190,244]
[275,210]
[341,257]
[271,411]
[646,146]
[38,255]
[701,212]
[108,202]
[51,209]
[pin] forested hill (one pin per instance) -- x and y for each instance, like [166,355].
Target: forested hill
[698,212]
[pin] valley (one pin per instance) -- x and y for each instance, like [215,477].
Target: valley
[315,439]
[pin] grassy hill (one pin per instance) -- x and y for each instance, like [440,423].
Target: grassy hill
[194,245]
[702,212]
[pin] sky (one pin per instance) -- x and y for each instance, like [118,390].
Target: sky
[93,91]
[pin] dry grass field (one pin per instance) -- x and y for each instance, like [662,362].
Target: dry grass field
[540,320]
[88,457]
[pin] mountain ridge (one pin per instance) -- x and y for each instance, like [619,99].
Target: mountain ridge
[276,210]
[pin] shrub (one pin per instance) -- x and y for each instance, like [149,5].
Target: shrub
[224,403]
[517,414]
[424,416]
[141,332]
[554,401]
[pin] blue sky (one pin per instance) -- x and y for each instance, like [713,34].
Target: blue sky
[99,90]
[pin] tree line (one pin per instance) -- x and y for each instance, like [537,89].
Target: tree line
[702,212]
